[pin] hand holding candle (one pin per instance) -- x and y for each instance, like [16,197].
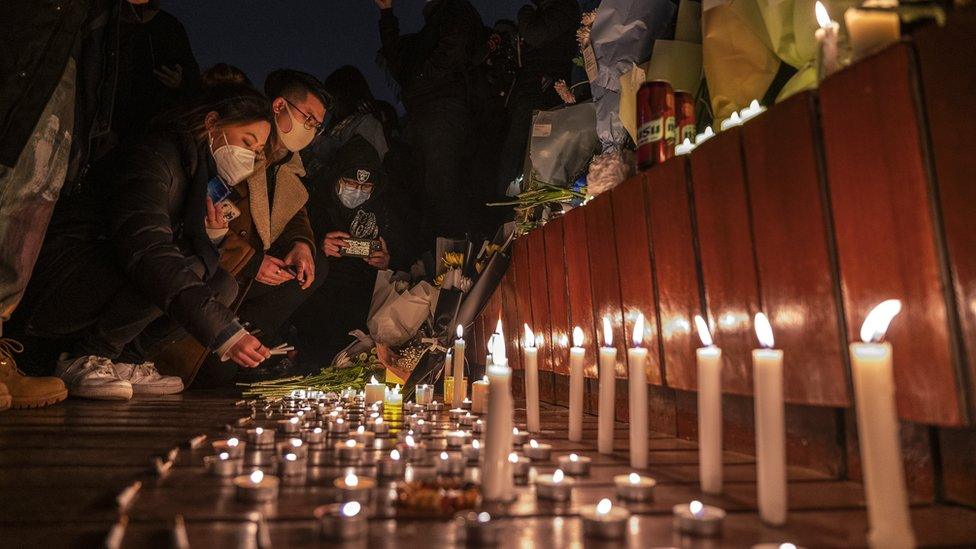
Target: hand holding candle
[637,358]
[767,366]
[709,410]
[608,380]
[531,353]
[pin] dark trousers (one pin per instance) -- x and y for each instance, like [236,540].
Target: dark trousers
[268,308]
[131,329]
[340,306]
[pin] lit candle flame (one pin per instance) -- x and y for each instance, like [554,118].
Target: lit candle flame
[379,421]
[764,332]
[563,340]
[224,456]
[339,421]
[257,477]
[787,545]
[607,333]
[444,456]
[351,443]
[639,330]
[573,457]
[317,430]
[484,516]
[295,442]
[557,476]
[529,337]
[351,509]
[533,443]
[290,457]
[498,327]
[512,457]
[735,117]
[360,429]
[703,333]
[258,431]
[459,331]
[372,381]
[352,480]
[876,323]
[395,455]
[476,444]
[696,508]
[233,442]
[634,478]
[293,420]
[409,440]
[515,431]
[823,18]
[604,506]
[577,337]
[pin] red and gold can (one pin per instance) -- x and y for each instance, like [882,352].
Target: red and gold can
[684,106]
[655,123]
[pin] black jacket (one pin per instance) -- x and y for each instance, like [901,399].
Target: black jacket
[439,60]
[548,32]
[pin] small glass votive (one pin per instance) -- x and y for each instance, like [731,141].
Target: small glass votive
[379,426]
[604,520]
[424,394]
[342,522]
[435,406]
[412,407]
[256,487]
[634,487]
[466,403]
[555,487]
[472,452]
[223,465]
[293,446]
[479,528]
[520,465]
[233,446]
[450,464]
[364,436]
[261,437]
[314,437]
[478,427]
[457,439]
[355,488]
[338,426]
[575,464]
[391,466]
[290,425]
[291,465]
[696,519]
[537,451]
[456,413]
[519,437]
[349,451]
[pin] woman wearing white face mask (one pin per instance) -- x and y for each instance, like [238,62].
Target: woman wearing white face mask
[138,262]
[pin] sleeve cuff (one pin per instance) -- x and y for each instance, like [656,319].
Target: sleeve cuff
[227,338]
[216,235]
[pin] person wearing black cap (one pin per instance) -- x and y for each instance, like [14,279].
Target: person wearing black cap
[359,209]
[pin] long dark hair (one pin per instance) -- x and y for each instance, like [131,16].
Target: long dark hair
[233,103]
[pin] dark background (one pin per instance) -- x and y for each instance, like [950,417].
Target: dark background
[316,36]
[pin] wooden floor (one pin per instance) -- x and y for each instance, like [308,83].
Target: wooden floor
[62,467]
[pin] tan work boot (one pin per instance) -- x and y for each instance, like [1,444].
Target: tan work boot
[4,397]
[27,391]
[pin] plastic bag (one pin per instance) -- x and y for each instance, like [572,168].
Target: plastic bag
[563,140]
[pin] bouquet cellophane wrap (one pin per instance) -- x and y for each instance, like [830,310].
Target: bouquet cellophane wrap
[396,317]
[562,141]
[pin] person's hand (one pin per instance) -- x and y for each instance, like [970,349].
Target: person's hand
[333,242]
[273,271]
[303,260]
[248,352]
[214,219]
[384,4]
[170,77]
[380,259]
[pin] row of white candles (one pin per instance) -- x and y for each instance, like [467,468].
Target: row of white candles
[877,419]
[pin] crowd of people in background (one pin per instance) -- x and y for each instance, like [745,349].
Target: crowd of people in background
[153,215]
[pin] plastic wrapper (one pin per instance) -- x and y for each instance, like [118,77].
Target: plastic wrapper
[395,317]
[563,140]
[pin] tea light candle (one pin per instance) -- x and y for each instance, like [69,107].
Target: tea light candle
[412,450]
[576,356]
[256,487]
[391,466]
[295,446]
[870,30]
[435,406]
[338,426]
[519,437]
[530,353]
[343,522]
[393,401]
[537,451]
[556,487]
[479,396]
[460,383]
[290,425]
[479,529]
[375,391]
[450,464]
[877,432]
[223,465]
[520,464]
[290,465]
[604,520]
[314,437]
[467,405]
[233,447]
[355,488]
[379,426]
[826,35]
[457,439]
[637,385]
[456,413]
[767,374]
[363,436]
[472,452]
[608,384]
[698,520]
[261,437]
[683,148]
[753,110]
[575,464]
[731,122]
[423,427]
[704,136]
[634,487]
[478,427]
[424,394]
[466,420]
[349,451]
[709,359]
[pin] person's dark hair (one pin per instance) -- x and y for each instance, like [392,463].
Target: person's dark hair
[294,86]
[233,103]
[222,73]
[349,88]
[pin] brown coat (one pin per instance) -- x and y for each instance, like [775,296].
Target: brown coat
[257,228]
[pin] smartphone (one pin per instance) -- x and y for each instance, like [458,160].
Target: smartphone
[217,190]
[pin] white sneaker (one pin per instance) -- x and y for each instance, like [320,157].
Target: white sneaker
[92,377]
[146,379]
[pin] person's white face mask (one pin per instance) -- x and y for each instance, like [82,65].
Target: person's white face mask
[234,163]
[299,137]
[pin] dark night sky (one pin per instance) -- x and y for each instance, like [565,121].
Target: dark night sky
[316,36]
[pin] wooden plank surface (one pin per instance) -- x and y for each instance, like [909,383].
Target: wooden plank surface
[605,276]
[578,278]
[559,319]
[521,269]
